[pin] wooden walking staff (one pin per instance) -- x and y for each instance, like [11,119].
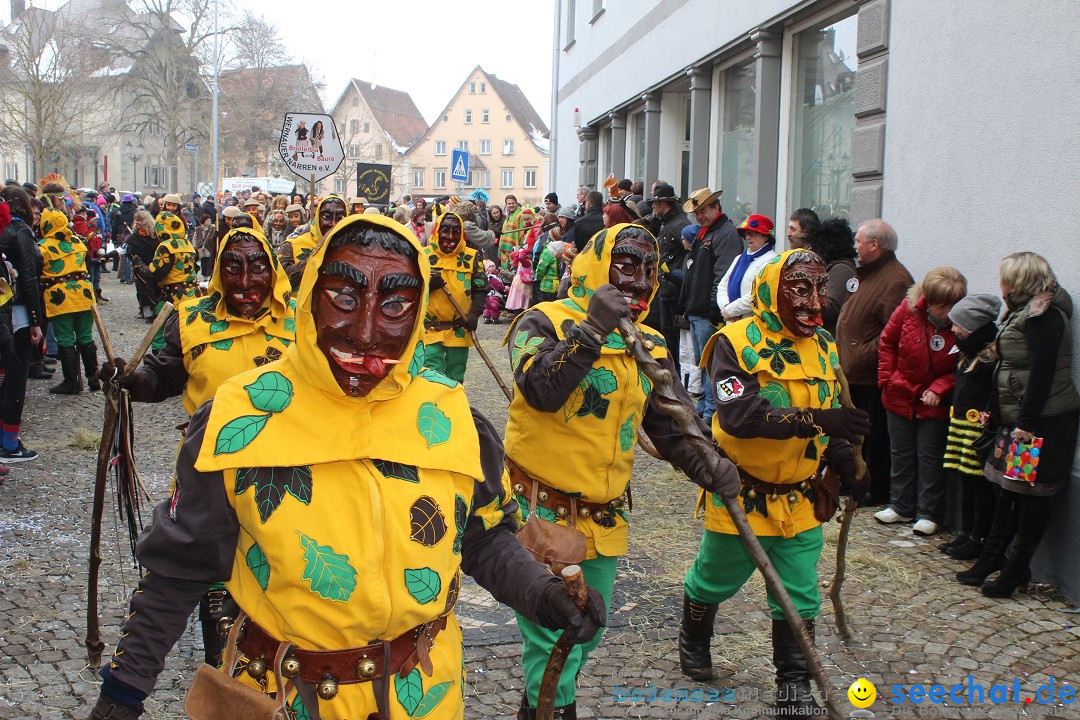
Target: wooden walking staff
[666,400]
[850,508]
[549,685]
[94,645]
[476,344]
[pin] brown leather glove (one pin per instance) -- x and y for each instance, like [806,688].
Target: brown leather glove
[106,709]
[724,481]
[844,467]
[844,423]
[606,307]
[111,371]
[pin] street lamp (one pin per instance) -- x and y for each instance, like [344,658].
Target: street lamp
[135,155]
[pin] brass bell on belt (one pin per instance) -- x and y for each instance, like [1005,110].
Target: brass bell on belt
[774,495]
[597,515]
[560,510]
[792,498]
[224,625]
[257,668]
[752,494]
[542,496]
[804,485]
[583,512]
[327,687]
[519,489]
[365,668]
[290,667]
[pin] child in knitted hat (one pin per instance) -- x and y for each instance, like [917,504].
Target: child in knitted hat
[973,320]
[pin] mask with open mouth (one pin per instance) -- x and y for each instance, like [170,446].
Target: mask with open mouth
[247,275]
[802,296]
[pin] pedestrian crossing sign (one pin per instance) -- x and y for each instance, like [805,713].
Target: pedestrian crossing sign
[459,166]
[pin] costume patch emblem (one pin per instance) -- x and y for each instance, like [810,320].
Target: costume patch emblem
[852,285]
[729,389]
[937,343]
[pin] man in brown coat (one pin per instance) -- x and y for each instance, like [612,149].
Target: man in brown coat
[879,285]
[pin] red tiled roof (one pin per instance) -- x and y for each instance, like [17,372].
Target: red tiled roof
[395,112]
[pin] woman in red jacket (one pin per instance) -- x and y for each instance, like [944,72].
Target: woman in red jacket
[916,364]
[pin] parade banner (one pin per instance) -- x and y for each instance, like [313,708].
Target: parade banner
[310,145]
[274,186]
[373,183]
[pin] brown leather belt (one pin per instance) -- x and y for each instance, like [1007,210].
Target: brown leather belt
[349,666]
[50,281]
[439,326]
[564,505]
[776,489]
[179,287]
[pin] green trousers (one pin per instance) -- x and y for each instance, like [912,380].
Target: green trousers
[722,566]
[71,329]
[450,361]
[537,642]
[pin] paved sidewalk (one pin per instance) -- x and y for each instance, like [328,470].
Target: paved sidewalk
[912,622]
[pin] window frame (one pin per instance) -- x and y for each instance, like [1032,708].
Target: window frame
[508,143]
[437,174]
[503,174]
[535,176]
[482,145]
[440,144]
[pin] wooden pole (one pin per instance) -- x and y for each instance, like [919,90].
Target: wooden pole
[839,615]
[94,645]
[545,700]
[476,344]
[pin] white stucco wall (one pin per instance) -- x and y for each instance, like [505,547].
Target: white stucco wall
[613,59]
[982,158]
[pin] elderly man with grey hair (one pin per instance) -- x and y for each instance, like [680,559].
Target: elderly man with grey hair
[879,285]
[582,193]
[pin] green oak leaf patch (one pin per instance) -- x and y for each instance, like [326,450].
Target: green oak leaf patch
[56,266]
[772,322]
[259,565]
[423,584]
[417,362]
[222,344]
[615,341]
[434,425]
[238,433]
[524,347]
[646,384]
[271,392]
[765,294]
[753,333]
[219,326]
[750,357]
[328,573]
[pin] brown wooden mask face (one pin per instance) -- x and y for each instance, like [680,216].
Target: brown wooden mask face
[801,297]
[247,276]
[365,304]
[633,267]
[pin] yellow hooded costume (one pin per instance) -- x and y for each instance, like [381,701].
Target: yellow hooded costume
[217,344]
[351,509]
[175,252]
[793,372]
[593,435]
[457,269]
[65,284]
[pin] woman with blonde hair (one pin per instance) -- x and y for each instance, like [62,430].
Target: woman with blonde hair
[916,374]
[1035,398]
[141,244]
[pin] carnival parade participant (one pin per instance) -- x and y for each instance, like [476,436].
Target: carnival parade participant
[777,418]
[295,250]
[68,299]
[359,548]
[246,321]
[459,270]
[175,265]
[580,392]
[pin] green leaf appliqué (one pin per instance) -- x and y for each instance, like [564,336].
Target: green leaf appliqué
[297,703]
[434,426]
[328,573]
[603,380]
[750,357]
[765,294]
[772,322]
[627,433]
[222,344]
[238,433]
[431,698]
[271,392]
[259,565]
[437,377]
[271,485]
[219,326]
[524,347]
[423,584]
[753,333]
[399,471]
[409,690]
[417,362]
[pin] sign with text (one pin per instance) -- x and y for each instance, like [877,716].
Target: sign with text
[310,145]
[373,183]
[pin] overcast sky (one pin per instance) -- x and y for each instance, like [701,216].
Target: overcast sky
[423,47]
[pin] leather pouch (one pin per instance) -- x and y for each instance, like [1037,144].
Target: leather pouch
[216,696]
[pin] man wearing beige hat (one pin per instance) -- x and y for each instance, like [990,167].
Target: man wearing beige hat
[295,215]
[716,245]
[254,208]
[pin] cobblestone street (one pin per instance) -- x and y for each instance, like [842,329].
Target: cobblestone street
[912,622]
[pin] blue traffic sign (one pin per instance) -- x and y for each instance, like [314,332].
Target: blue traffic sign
[459,166]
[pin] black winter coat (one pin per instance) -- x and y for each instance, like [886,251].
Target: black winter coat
[672,252]
[586,226]
[717,249]
[20,246]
